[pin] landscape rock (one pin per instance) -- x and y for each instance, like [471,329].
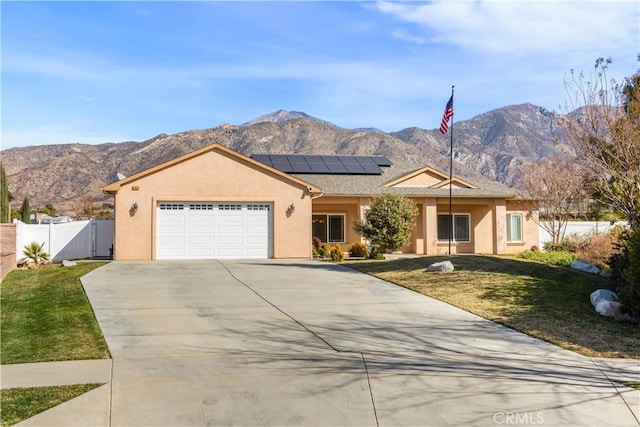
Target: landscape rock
[609,308]
[441,266]
[602,295]
[67,263]
[585,266]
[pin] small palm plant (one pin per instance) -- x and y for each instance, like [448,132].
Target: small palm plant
[33,252]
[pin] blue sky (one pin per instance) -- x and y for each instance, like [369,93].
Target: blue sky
[93,72]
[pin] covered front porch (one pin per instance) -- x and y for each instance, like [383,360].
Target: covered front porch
[480,225]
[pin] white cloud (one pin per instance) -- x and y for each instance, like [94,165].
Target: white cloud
[403,35]
[525,26]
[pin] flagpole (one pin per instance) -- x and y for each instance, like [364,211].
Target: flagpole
[451,181]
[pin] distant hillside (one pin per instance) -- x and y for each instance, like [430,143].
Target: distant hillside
[492,145]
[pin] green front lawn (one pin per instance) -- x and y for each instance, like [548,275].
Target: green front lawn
[46,316]
[544,301]
[18,404]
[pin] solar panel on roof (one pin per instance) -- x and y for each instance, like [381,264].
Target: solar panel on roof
[313,159]
[372,169]
[348,160]
[366,161]
[355,168]
[337,168]
[282,165]
[297,159]
[315,164]
[278,158]
[382,160]
[331,160]
[262,158]
[319,168]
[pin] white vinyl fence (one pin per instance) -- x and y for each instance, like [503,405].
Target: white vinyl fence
[72,240]
[581,229]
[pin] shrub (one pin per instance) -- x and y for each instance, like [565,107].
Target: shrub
[359,249]
[535,248]
[554,247]
[389,222]
[596,249]
[625,272]
[316,242]
[551,257]
[374,254]
[336,254]
[325,250]
[314,252]
[33,252]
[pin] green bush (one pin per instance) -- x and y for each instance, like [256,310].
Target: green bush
[336,254]
[625,272]
[374,254]
[554,247]
[551,257]
[389,222]
[359,249]
[314,252]
[325,250]
[34,252]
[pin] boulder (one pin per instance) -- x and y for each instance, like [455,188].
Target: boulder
[585,266]
[609,308]
[441,266]
[602,295]
[67,263]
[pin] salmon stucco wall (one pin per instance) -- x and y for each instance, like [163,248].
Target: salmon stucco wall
[530,228]
[213,176]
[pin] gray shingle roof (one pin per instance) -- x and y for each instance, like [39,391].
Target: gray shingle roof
[367,185]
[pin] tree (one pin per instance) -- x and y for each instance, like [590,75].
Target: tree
[5,197]
[25,211]
[556,188]
[48,209]
[604,130]
[389,221]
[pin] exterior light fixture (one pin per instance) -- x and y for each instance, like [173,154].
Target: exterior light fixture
[291,208]
[134,207]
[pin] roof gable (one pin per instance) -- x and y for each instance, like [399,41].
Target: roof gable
[114,187]
[427,177]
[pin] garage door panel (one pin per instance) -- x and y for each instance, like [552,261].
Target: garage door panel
[214,230]
[200,241]
[231,253]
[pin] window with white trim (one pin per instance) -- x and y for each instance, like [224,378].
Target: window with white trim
[201,207]
[514,228]
[229,207]
[257,207]
[328,228]
[171,206]
[461,227]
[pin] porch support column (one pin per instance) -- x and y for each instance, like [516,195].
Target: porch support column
[500,226]
[419,231]
[363,206]
[430,226]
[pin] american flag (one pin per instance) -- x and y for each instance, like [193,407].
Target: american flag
[448,113]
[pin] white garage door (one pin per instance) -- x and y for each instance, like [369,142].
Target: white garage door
[214,230]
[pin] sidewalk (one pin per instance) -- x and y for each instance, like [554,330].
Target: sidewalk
[55,373]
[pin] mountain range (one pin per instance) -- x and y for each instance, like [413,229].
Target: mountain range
[491,146]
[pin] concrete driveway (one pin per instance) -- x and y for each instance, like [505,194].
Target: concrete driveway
[309,343]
